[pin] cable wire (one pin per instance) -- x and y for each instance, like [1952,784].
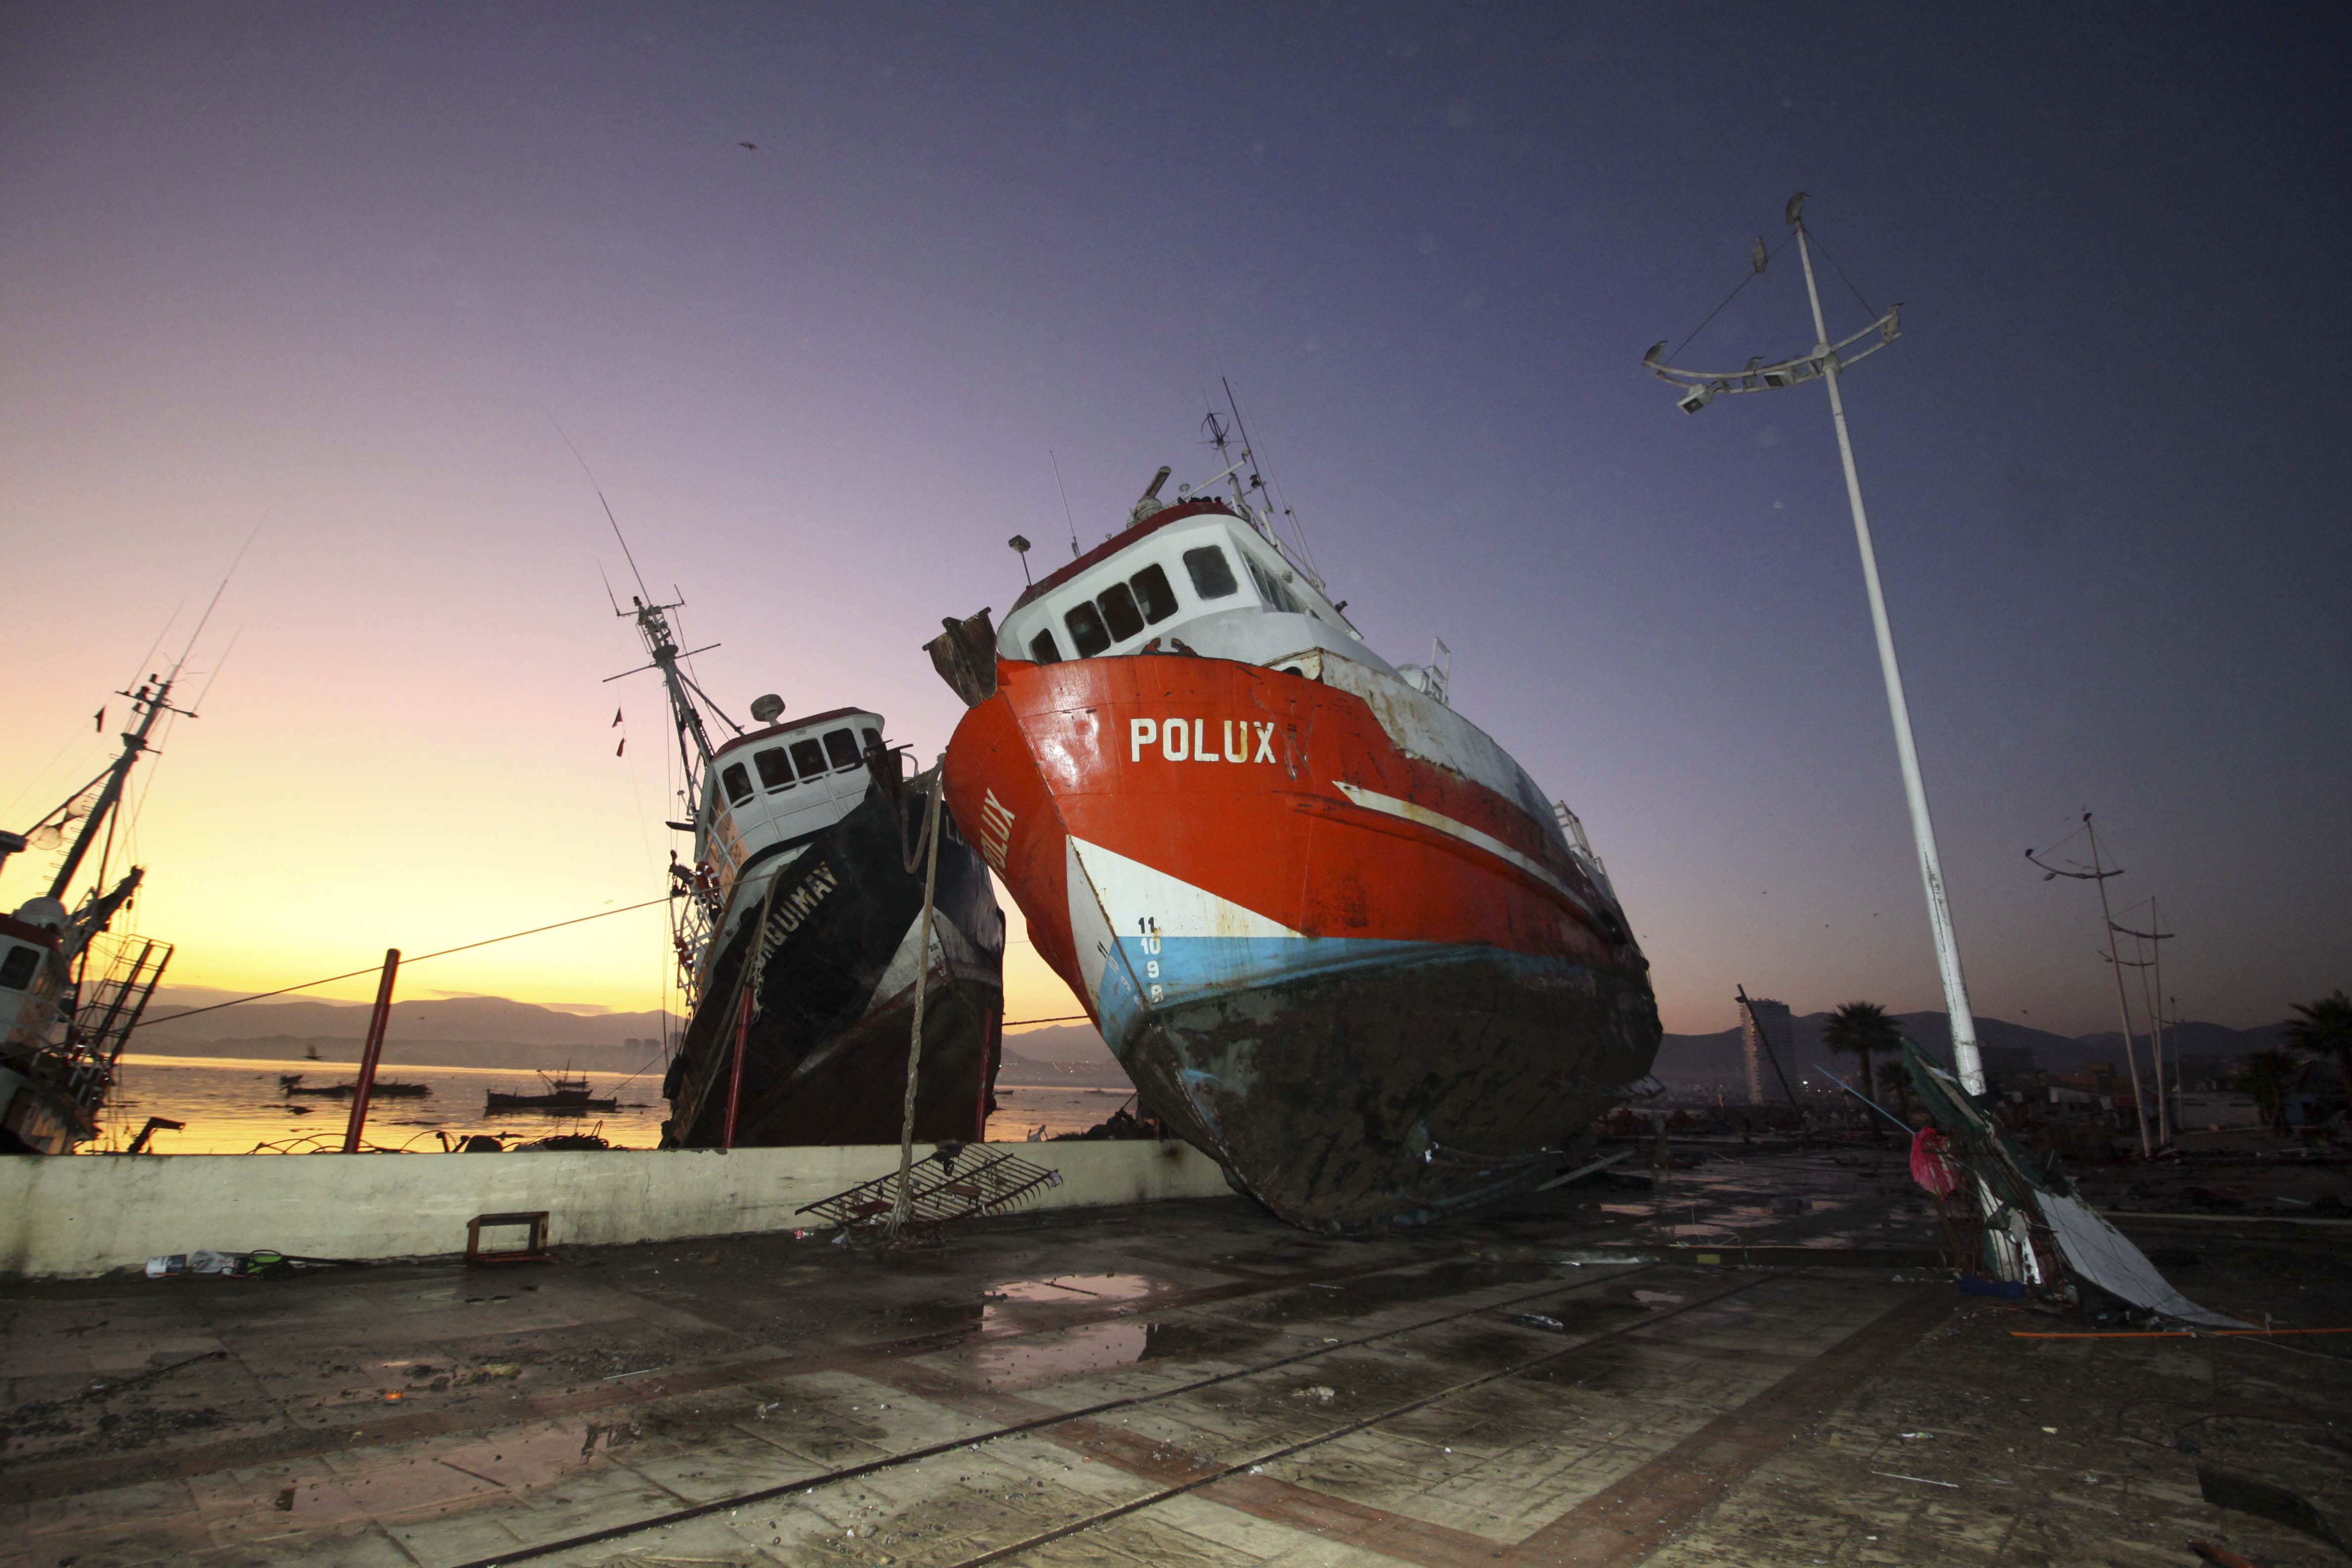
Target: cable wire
[406,962]
[1753,274]
[1857,293]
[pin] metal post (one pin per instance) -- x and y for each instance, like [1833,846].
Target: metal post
[2155,1016]
[2123,1007]
[374,1053]
[1966,1057]
[904,1203]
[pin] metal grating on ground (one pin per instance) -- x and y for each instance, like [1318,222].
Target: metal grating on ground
[952,1185]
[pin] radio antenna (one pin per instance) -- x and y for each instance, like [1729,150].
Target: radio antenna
[642,591]
[1067,515]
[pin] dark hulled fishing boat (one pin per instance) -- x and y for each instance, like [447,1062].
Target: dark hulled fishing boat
[566,1094]
[800,935]
[1337,936]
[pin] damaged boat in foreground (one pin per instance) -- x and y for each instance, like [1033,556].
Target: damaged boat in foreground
[1334,932]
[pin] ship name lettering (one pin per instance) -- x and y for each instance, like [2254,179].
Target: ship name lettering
[1181,741]
[995,831]
[789,913]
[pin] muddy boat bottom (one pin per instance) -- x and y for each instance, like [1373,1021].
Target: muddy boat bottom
[1566,1381]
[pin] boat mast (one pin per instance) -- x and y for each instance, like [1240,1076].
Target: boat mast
[151,701]
[687,701]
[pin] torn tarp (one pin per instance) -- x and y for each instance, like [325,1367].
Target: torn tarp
[2031,1211]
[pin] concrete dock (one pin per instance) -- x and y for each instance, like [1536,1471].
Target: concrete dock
[1591,1377]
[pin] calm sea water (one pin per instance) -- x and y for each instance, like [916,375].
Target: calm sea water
[234,1106]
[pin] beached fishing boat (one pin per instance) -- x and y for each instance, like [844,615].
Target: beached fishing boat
[1337,937]
[800,938]
[72,989]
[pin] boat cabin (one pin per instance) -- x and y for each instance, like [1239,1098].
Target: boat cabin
[1194,573]
[767,794]
[32,972]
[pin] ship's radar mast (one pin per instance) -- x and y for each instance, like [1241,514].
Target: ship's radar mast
[686,699]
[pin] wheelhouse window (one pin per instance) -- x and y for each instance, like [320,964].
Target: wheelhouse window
[775,773]
[808,757]
[16,970]
[1086,634]
[1153,594]
[1120,613]
[737,783]
[873,739]
[1212,574]
[841,746]
[1042,650]
[1270,589]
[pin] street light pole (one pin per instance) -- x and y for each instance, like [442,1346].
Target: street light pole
[1965,1054]
[2098,875]
[1826,360]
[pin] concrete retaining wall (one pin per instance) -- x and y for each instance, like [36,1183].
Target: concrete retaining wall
[77,1215]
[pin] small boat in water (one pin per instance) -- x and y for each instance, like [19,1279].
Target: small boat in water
[1335,933]
[292,1086]
[567,1094]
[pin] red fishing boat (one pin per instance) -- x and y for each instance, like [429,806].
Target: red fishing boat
[1335,933]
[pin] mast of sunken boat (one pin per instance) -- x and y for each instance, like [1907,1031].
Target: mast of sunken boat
[1336,936]
[796,929]
[71,993]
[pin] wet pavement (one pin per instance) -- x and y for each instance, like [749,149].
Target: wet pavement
[1592,1377]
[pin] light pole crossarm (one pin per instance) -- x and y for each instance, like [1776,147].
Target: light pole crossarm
[1756,377]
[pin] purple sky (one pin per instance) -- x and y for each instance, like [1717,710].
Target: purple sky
[333,268]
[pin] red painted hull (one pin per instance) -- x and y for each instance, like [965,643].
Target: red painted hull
[1377,990]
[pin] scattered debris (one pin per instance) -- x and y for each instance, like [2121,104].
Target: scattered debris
[2021,1217]
[1321,1393]
[261,1263]
[1923,1481]
[2263,1500]
[2221,1555]
[990,1182]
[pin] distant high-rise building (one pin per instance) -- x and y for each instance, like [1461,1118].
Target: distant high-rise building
[1771,1017]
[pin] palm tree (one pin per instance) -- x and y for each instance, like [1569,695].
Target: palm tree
[2268,1076]
[2325,1026]
[1859,1029]
[1894,1088]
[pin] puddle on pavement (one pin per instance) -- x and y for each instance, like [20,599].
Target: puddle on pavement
[1074,1289]
[1008,1364]
[1033,1359]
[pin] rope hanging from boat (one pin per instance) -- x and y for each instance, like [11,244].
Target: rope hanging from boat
[911,855]
[746,1003]
[903,1204]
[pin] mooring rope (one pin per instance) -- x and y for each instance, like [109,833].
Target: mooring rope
[900,1206]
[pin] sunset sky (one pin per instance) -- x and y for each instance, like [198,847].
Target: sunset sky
[332,277]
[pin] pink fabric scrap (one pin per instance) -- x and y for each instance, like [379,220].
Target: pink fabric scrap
[1931,1167]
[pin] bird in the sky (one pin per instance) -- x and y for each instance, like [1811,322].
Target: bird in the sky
[749,146]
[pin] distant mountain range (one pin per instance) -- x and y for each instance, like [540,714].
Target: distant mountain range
[1705,1060]
[491,1031]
